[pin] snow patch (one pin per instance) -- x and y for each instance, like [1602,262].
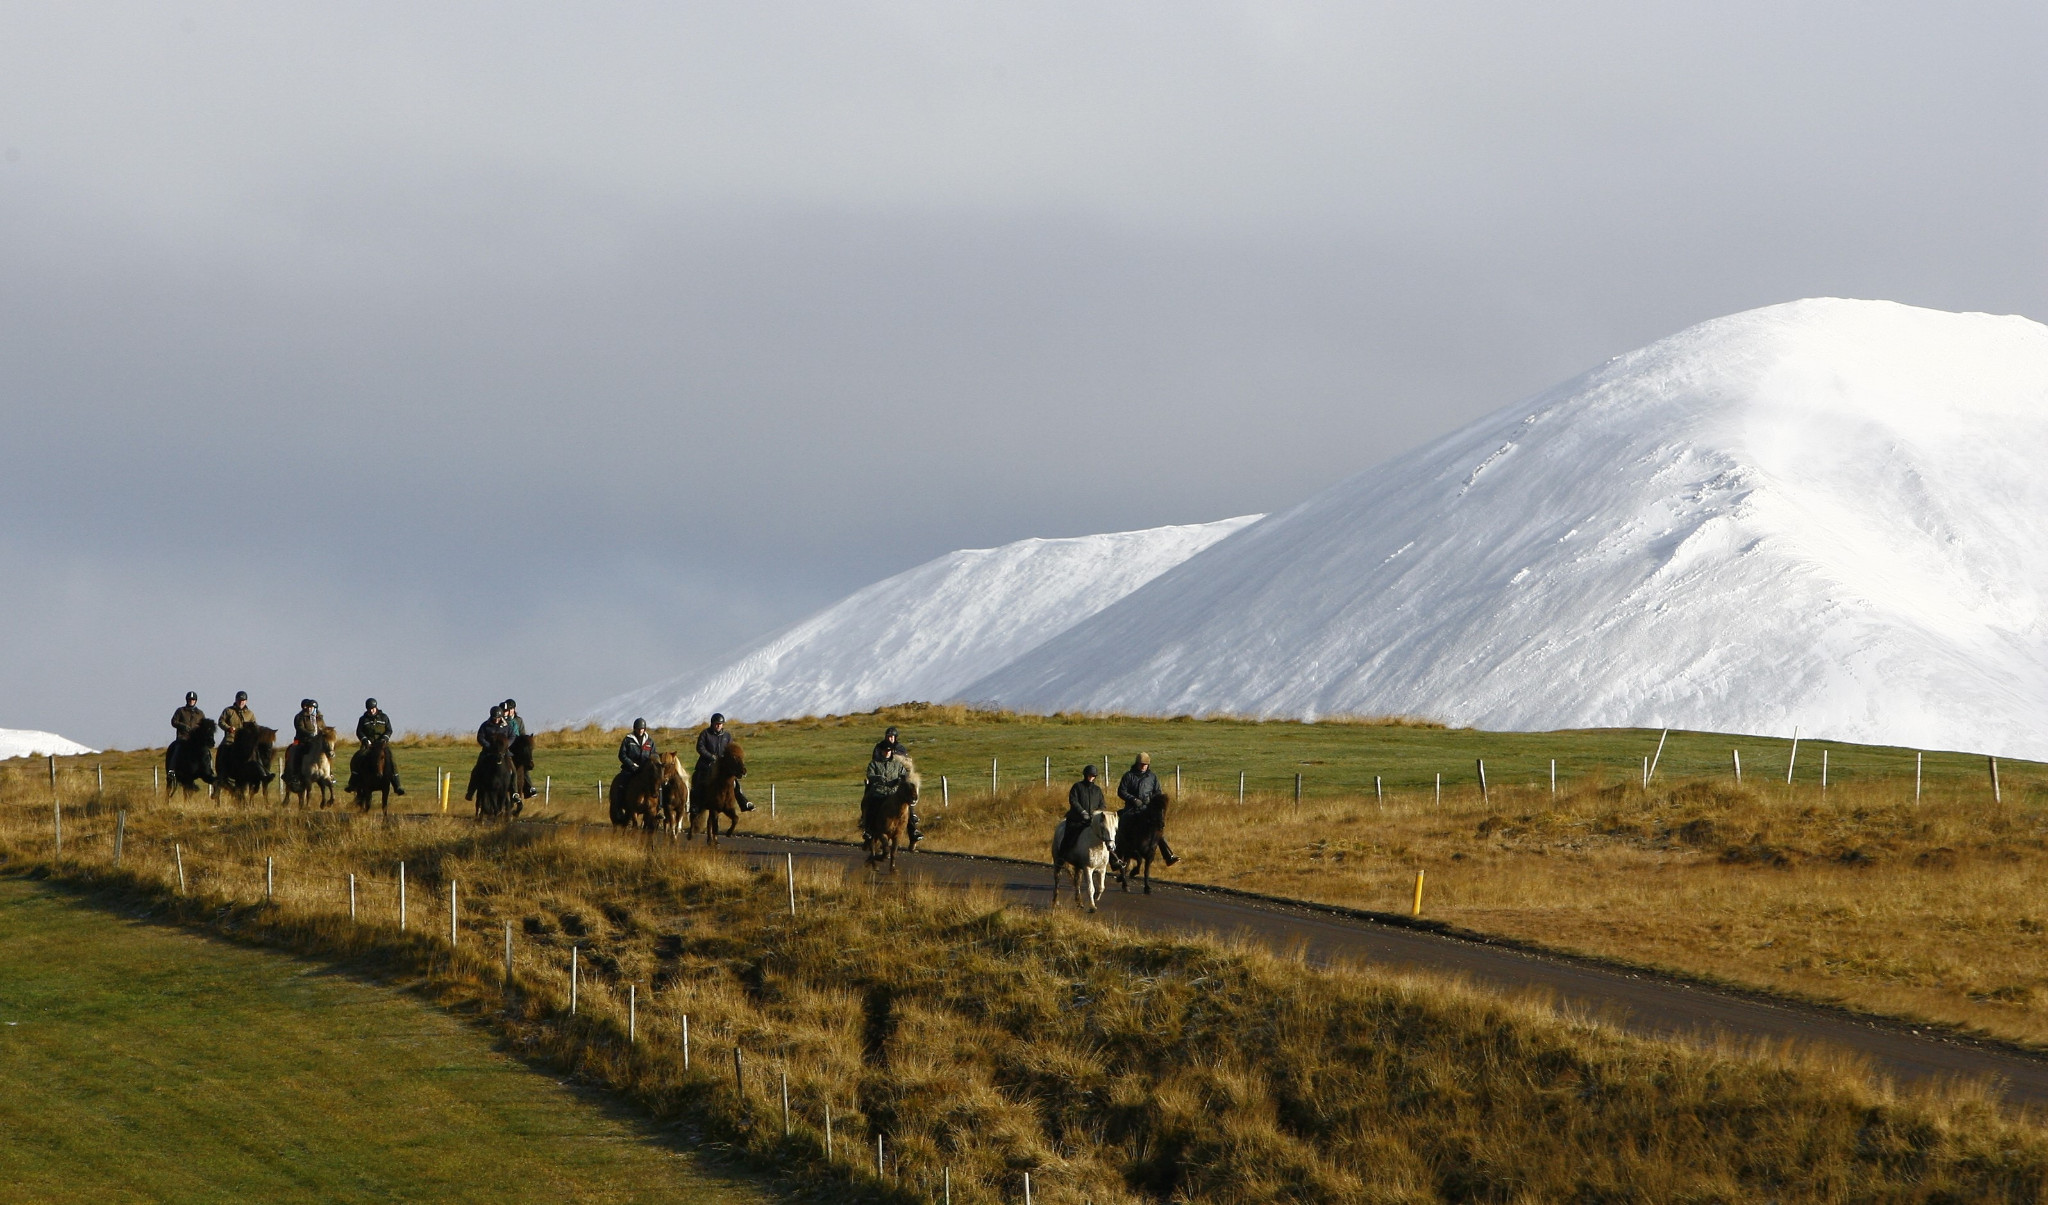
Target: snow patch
[20,742]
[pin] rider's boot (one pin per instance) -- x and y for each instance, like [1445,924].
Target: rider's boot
[742,797]
[1166,849]
[396,789]
[916,833]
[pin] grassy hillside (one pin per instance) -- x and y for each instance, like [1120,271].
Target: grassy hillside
[1856,893]
[985,1043]
[138,1062]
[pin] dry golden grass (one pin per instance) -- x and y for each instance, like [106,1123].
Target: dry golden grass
[1854,895]
[993,1041]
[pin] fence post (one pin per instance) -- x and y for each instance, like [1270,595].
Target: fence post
[1995,796]
[451,912]
[993,781]
[1646,773]
[53,773]
[1048,773]
[351,898]
[99,772]
[1917,757]
[785,1102]
[178,855]
[1553,776]
[446,781]
[771,800]
[828,1133]
[1659,754]
[1240,788]
[686,1041]
[269,879]
[948,1181]
[1824,769]
[739,1082]
[508,943]
[1176,782]
[1379,794]
[1483,796]
[633,1013]
[789,868]
[401,897]
[1297,788]
[156,785]
[1794,759]
[547,789]
[1418,891]
[879,1173]
[1439,789]
[945,792]
[1027,1188]
[120,833]
[573,969]
[1737,755]
[57,825]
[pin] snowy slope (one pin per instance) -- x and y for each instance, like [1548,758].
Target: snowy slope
[925,633]
[19,742]
[1826,513]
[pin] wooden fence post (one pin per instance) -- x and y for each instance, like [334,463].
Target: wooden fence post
[1794,759]
[789,869]
[573,976]
[1737,755]
[1483,795]
[451,912]
[269,879]
[401,897]
[351,898]
[120,833]
[178,855]
[1996,797]
[686,1041]
[1917,757]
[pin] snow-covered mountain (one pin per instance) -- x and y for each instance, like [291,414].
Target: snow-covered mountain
[20,742]
[925,633]
[1826,513]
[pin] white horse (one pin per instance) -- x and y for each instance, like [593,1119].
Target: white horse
[1089,859]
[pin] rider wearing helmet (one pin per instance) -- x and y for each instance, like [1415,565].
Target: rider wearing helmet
[186,721]
[516,728]
[888,754]
[1138,788]
[306,726]
[372,728]
[711,745]
[1084,799]
[233,718]
[636,750]
[486,733]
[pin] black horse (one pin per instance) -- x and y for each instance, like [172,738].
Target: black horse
[371,771]
[244,760]
[189,761]
[1138,837]
[494,781]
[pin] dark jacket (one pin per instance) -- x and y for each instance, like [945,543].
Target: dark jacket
[1084,799]
[1138,788]
[711,745]
[186,719]
[490,728]
[885,775]
[886,743]
[374,726]
[635,752]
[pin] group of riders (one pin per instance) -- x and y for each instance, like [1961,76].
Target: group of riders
[190,754]
[889,772]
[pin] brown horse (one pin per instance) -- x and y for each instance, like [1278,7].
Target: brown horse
[306,768]
[658,794]
[718,794]
[371,772]
[884,817]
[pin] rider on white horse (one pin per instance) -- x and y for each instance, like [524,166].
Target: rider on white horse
[1084,799]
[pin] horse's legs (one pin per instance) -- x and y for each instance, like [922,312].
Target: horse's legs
[1148,872]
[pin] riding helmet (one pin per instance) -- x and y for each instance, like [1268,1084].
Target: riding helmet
[891,731]
[241,696]
[308,703]
[496,711]
[369,704]
[191,696]
[638,723]
[511,706]
[1088,771]
[718,717]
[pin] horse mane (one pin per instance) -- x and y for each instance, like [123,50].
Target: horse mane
[910,773]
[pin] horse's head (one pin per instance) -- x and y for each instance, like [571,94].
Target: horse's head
[1104,824]
[733,762]
[205,733]
[326,739]
[1159,803]
[265,739]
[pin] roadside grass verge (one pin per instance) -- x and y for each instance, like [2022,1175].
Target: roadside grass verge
[985,1042]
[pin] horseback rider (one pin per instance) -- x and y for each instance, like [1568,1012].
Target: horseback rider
[306,726]
[890,749]
[886,774]
[517,728]
[372,729]
[487,732]
[636,750]
[233,718]
[1084,799]
[1138,788]
[711,745]
[186,721]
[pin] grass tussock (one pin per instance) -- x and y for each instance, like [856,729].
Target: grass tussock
[993,1041]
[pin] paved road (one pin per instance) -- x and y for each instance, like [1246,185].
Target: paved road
[1639,1002]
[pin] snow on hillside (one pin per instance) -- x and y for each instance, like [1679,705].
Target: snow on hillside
[19,742]
[925,633]
[1826,513]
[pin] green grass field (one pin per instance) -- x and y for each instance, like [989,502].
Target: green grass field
[140,1063]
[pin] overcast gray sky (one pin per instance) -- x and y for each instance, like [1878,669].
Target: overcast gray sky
[445,352]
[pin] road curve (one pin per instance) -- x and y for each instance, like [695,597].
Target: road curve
[1637,1001]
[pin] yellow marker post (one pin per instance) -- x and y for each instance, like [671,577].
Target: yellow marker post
[1418,893]
[447,781]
